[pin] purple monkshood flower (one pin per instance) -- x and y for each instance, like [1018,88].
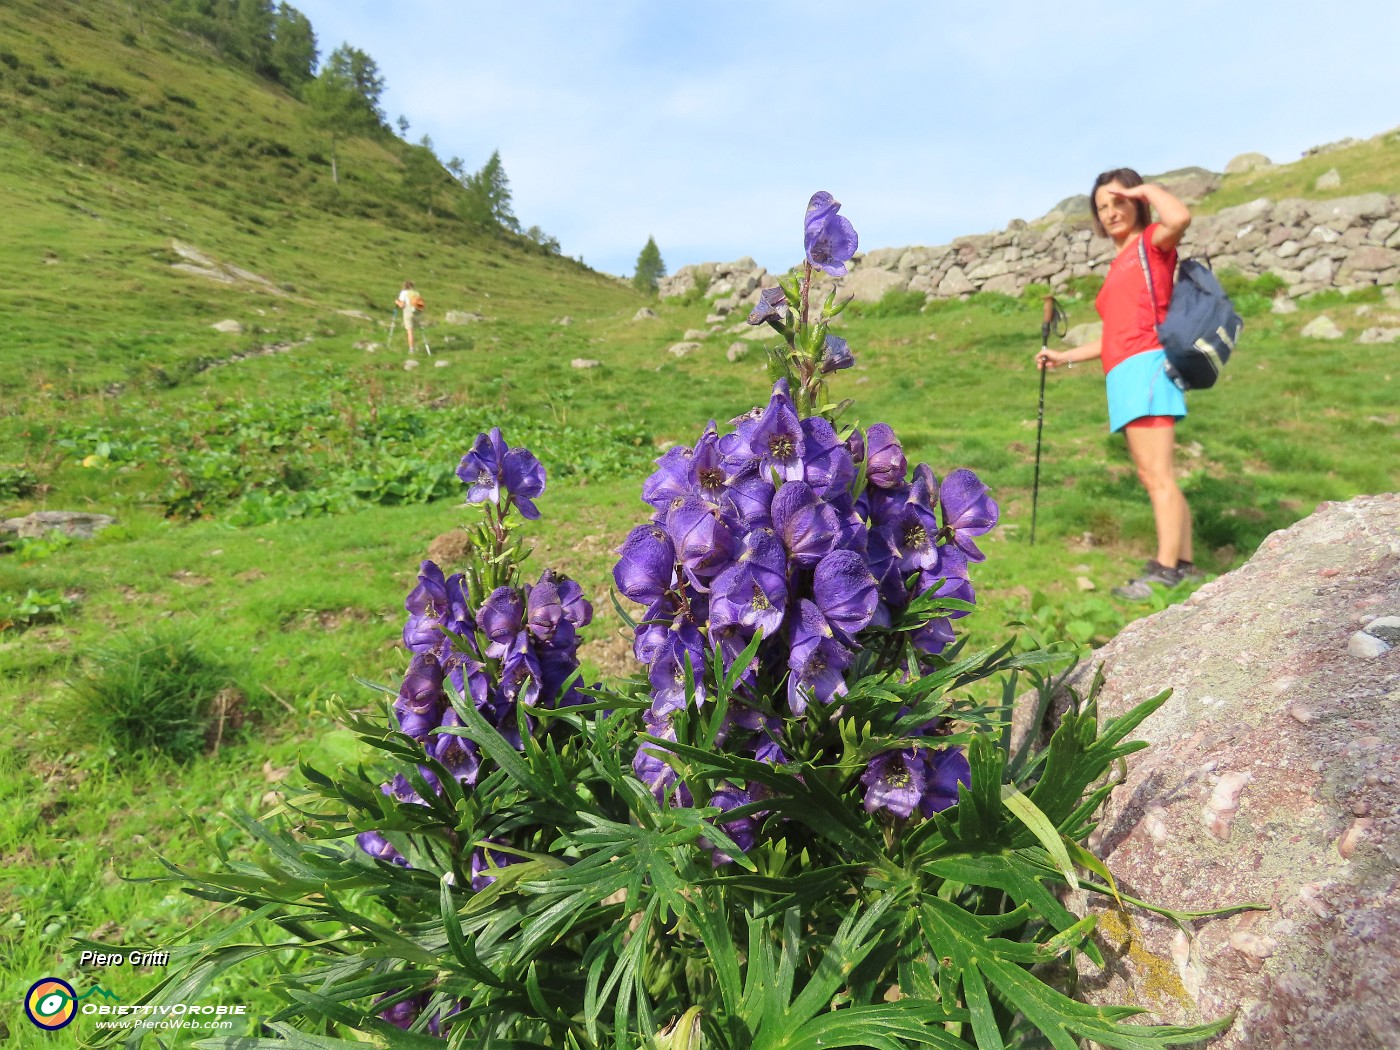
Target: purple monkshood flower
[702,541]
[826,464]
[772,306]
[402,1014]
[753,591]
[652,769]
[806,523]
[502,620]
[829,238]
[544,615]
[419,703]
[895,782]
[485,860]
[967,510]
[457,753]
[845,592]
[778,440]
[490,468]
[646,565]
[669,679]
[707,471]
[816,660]
[743,830]
[934,636]
[836,354]
[947,769]
[952,571]
[377,846]
[670,481]
[885,458]
[748,500]
[435,601]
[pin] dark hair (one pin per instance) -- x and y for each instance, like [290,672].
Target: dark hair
[1125,177]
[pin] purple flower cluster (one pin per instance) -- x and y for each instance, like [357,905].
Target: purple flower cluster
[766,530]
[518,646]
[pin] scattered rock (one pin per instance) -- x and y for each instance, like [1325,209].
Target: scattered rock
[410,364]
[566,320]
[1329,180]
[1322,327]
[584,362]
[230,326]
[1379,335]
[1284,305]
[1084,333]
[737,351]
[462,317]
[74,524]
[681,349]
[646,313]
[439,362]
[368,347]
[1247,162]
[1367,646]
[1386,628]
[1084,583]
[695,334]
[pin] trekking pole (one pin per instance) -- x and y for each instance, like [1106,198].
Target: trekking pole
[390,344]
[1051,317]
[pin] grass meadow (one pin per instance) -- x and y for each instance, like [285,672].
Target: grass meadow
[275,490]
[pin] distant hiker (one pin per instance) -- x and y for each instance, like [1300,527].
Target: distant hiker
[411,303]
[1142,401]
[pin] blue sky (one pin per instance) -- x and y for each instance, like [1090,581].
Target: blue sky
[709,125]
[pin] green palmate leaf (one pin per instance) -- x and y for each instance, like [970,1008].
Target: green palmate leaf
[959,938]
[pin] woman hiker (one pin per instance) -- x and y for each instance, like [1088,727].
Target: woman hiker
[411,303]
[1142,401]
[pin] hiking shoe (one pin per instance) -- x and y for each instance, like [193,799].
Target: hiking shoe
[1140,589]
[1189,571]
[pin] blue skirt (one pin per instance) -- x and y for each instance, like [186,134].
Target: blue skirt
[1138,386]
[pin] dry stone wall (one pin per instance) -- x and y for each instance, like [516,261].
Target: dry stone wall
[1346,243]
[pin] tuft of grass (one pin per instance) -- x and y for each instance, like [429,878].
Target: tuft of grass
[155,692]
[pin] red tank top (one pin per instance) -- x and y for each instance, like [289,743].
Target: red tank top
[1129,318]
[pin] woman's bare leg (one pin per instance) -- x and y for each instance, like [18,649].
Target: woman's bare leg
[1152,449]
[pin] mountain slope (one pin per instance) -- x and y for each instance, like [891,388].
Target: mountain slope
[125,136]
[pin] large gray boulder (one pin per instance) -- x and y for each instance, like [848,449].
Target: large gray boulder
[1273,776]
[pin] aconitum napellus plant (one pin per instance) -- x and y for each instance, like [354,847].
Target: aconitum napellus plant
[794,557]
[501,647]
[799,824]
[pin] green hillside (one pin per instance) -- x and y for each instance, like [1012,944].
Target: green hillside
[276,489]
[120,143]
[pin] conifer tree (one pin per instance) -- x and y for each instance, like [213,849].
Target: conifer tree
[294,51]
[421,172]
[488,192]
[650,268]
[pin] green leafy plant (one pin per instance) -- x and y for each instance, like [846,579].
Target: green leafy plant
[17,482]
[33,607]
